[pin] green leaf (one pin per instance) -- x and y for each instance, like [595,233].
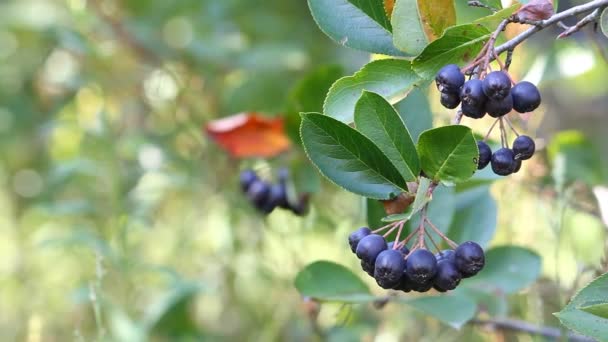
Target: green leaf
[453,310]
[374,212]
[396,217]
[448,154]
[415,112]
[604,22]
[422,195]
[378,120]
[574,158]
[390,78]
[358,24]
[576,318]
[508,268]
[495,4]
[307,96]
[475,216]
[458,45]
[493,20]
[418,22]
[348,158]
[328,281]
[600,310]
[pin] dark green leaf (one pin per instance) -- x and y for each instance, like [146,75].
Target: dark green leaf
[574,158]
[418,22]
[448,154]
[396,217]
[308,95]
[604,22]
[576,318]
[453,310]
[415,111]
[458,45]
[378,120]
[348,23]
[390,78]
[508,268]
[348,158]
[475,216]
[374,211]
[328,281]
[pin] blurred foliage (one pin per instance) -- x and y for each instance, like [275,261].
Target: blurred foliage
[120,220]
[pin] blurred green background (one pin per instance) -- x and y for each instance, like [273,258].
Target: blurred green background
[121,220]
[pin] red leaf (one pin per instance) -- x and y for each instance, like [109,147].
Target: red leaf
[249,135]
[535,10]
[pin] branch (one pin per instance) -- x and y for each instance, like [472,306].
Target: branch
[594,16]
[521,326]
[590,6]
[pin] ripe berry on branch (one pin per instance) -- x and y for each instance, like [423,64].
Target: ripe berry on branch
[497,85]
[449,79]
[356,236]
[485,155]
[502,161]
[369,247]
[389,267]
[421,266]
[523,147]
[526,97]
[469,259]
[498,108]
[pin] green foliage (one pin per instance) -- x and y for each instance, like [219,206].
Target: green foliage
[452,310]
[458,44]
[378,120]
[448,154]
[360,24]
[474,216]
[393,79]
[348,158]
[493,20]
[328,281]
[586,312]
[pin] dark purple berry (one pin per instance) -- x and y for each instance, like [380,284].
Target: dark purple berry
[404,284]
[485,154]
[448,276]
[473,112]
[421,266]
[498,108]
[502,161]
[266,207]
[472,93]
[356,236]
[369,247]
[368,267]
[449,79]
[389,268]
[449,100]
[526,97]
[446,254]
[496,85]
[516,165]
[258,192]
[246,179]
[469,259]
[523,147]
[424,287]
[278,196]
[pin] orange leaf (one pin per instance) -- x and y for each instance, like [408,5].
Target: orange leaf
[388,7]
[249,135]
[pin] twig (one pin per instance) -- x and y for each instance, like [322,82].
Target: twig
[522,326]
[594,16]
[590,6]
[490,130]
[503,137]
[491,53]
[457,117]
[508,59]
[432,240]
[384,227]
[443,236]
[511,126]
[401,223]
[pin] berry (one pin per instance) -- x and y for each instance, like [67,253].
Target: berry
[472,111]
[301,207]
[502,161]
[369,247]
[472,93]
[469,259]
[485,154]
[266,207]
[389,268]
[449,79]
[278,195]
[356,236]
[496,85]
[368,267]
[447,277]
[449,100]
[258,192]
[424,287]
[446,254]
[283,175]
[516,165]
[523,147]
[498,108]
[421,266]
[404,250]
[526,97]
[404,284]
[246,179]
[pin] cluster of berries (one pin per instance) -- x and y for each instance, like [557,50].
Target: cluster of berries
[266,196]
[495,96]
[393,266]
